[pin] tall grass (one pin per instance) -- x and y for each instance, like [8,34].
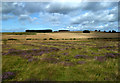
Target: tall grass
[91,60]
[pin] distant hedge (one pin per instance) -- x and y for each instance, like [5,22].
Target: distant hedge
[28,39]
[86,31]
[32,39]
[12,39]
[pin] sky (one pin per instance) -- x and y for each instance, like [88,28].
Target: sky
[73,16]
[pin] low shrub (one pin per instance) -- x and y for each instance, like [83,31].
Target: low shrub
[74,38]
[12,39]
[45,39]
[5,41]
[66,39]
[35,39]
[28,39]
[51,39]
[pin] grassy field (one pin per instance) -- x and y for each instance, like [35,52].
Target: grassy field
[61,35]
[60,57]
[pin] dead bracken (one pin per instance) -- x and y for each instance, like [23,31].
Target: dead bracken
[50,60]
[80,62]
[67,63]
[100,58]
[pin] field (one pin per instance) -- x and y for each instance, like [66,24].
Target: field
[60,57]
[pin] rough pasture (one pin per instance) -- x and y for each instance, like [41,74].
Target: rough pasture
[61,35]
[59,60]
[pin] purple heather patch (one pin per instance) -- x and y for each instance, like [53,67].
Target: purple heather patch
[28,57]
[66,48]
[53,48]
[5,54]
[30,60]
[35,49]
[112,55]
[67,59]
[27,54]
[39,54]
[107,47]
[29,44]
[93,53]
[12,49]
[65,53]
[81,62]
[8,75]
[83,56]
[79,56]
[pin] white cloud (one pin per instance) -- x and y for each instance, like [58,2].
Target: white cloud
[7,17]
[7,8]
[34,7]
[76,15]
[63,8]
[24,18]
[95,17]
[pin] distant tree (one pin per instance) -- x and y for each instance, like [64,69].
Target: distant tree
[86,31]
[113,31]
[109,31]
[99,31]
[104,31]
[95,30]
[40,31]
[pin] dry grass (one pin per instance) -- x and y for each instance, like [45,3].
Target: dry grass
[63,35]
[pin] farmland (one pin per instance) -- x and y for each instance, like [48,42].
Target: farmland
[60,57]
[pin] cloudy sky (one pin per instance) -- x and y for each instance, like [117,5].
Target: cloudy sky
[17,17]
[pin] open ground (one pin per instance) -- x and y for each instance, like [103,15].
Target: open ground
[63,56]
